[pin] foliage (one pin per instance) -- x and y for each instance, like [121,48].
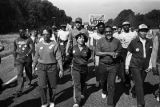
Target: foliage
[151,18]
[31,14]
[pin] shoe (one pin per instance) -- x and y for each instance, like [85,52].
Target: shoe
[51,105]
[82,96]
[44,105]
[140,105]
[75,105]
[104,95]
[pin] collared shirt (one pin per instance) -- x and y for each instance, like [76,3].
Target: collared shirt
[74,33]
[80,57]
[136,56]
[126,38]
[104,45]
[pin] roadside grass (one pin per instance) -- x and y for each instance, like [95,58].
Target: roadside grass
[7,42]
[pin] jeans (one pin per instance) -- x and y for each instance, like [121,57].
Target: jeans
[47,76]
[107,76]
[139,76]
[79,78]
[20,66]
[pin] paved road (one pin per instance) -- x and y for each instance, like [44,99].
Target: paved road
[64,92]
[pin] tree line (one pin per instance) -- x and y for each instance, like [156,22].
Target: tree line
[31,14]
[152,18]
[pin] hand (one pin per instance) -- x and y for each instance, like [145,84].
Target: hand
[127,71]
[155,71]
[60,74]
[115,55]
[148,70]
[33,67]
[67,53]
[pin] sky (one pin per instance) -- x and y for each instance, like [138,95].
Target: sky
[110,8]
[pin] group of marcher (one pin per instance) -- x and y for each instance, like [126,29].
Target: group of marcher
[119,54]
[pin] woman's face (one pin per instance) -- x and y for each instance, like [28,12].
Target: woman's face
[46,35]
[80,40]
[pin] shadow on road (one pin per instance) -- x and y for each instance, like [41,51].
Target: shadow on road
[92,88]
[64,95]
[6,102]
[30,103]
[149,88]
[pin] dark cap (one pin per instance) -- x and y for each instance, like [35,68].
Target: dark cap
[78,19]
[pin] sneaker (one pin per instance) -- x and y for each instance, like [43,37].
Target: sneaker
[82,96]
[104,95]
[51,105]
[75,105]
[44,105]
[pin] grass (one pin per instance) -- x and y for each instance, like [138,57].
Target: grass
[7,42]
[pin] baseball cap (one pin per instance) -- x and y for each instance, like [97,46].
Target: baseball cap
[143,27]
[78,19]
[125,23]
[114,27]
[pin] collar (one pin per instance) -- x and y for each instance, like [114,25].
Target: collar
[109,40]
[137,39]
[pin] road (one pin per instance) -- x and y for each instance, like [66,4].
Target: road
[65,91]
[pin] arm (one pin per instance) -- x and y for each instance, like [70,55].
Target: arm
[58,56]
[154,51]
[32,48]
[35,60]
[68,43]
[99,52]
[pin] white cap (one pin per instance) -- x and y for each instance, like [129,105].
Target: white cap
[125,23]
[142,26]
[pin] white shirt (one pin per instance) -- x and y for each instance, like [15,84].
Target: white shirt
[95,36]
[126,38]
[63,35]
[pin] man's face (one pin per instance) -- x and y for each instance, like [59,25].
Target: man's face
[126,28]
[78,25]
[108,32]
[119,30]
[101,29]
[143,33]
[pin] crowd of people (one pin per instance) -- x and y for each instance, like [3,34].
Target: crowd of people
[118,53]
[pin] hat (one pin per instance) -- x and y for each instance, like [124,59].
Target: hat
[125,23]
[114,27]
[143,26]
[54,27]
[78,19]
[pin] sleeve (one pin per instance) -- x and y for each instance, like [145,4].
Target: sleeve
[119,49]
[130,47]
[89,53]
[58,54]
[128,59]
[98,46]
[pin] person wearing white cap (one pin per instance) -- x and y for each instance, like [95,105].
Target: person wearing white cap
[138,60]
[125,38]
